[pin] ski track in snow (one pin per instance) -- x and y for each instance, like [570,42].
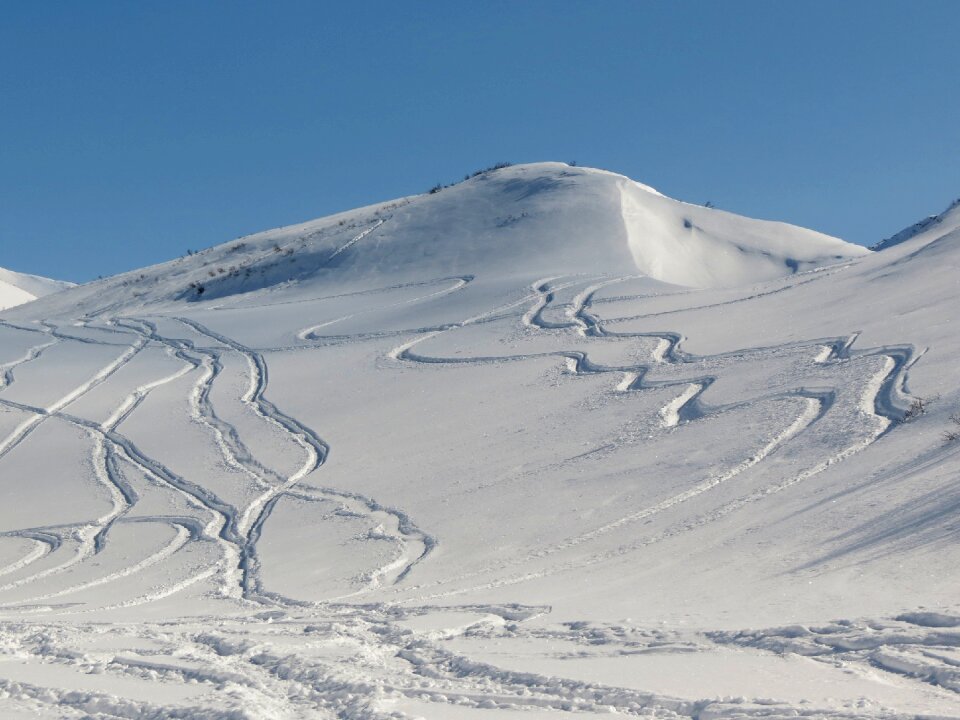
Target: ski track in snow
[461,282]
[357,238]
[316,451]
[6,369]
[237,530]
[253,653]
[884,398]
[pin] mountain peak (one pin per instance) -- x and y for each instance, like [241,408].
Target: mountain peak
[546,218]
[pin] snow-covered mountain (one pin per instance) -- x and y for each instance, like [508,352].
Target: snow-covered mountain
[542,443]
[540,218]
[940,224]
[18,288]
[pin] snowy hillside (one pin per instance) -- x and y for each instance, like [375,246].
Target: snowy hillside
[542,444]
[940,224]
[542,218]
[18,288]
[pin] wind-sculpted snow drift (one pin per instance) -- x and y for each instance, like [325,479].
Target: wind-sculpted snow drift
[469,455]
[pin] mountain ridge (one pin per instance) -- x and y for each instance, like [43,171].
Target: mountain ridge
[505,220]
[950,217]
[20,288]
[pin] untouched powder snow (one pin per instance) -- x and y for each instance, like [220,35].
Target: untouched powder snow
[478,455]
[18,288]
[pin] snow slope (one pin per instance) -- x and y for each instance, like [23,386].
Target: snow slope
[940,224]
[18,288]
[471,455]
[541,218]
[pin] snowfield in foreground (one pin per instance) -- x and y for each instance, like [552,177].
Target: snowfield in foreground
[543,444]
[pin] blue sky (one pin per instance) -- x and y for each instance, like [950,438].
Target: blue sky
[131,132]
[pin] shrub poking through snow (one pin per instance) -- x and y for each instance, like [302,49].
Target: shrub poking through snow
[952,434]
[917,408]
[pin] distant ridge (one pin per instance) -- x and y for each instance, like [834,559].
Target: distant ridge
[19,288]
[917,228]
[546,217]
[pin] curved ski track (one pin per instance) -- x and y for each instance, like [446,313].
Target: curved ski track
[235,530]
[253,665]
[888,401]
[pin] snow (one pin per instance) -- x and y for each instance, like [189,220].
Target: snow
[18,288]
[541,219]
[527,446]
[939,224]
[702,247]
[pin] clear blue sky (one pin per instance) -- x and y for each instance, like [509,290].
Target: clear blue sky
[130,132]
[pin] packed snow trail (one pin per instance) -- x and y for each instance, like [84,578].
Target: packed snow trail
[218,662]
